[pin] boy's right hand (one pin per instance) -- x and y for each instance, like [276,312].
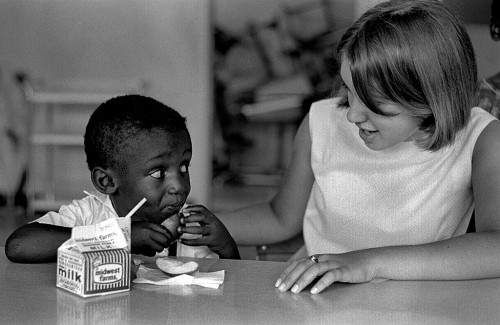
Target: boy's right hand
[149,238]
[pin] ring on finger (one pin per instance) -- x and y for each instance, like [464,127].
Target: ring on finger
[314,258]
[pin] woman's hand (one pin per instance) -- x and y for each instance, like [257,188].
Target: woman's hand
[352,267]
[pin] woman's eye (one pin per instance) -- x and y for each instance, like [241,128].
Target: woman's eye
[344,102]
[159,174]
[184,168]
[344,96]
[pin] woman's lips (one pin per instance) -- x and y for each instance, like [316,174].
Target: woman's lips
[367,134]
[365,130]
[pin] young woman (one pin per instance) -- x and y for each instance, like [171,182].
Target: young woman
[385,177]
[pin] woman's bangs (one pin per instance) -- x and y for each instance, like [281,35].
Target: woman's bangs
[367,81]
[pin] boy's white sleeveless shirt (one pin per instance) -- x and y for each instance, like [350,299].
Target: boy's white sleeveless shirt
[399,196]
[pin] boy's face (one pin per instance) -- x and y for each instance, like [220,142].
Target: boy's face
[155,166]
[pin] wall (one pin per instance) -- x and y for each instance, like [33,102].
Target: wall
[166,43]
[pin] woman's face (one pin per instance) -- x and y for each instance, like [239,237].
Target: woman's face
[156,167]
[379,132]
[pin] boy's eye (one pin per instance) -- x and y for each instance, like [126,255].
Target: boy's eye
[184,168]
[159,174]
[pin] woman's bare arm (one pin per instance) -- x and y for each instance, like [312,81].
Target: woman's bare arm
[282,217]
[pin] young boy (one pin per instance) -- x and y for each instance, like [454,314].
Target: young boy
[136,148]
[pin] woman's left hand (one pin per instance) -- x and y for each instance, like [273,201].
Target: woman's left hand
[352,267]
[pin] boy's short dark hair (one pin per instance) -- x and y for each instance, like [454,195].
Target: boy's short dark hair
[418,54]
[124,118]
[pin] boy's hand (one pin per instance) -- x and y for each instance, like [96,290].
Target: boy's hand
[213,233]
[149,238]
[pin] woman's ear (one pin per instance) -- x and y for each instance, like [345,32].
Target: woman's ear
[104,180]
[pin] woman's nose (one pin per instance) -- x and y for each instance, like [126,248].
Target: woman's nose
[356,114]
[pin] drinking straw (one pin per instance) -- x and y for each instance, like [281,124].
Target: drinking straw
[141,202]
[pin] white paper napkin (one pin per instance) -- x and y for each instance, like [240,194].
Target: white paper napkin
[157,277]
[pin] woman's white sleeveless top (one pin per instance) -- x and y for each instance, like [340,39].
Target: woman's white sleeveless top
[399,196]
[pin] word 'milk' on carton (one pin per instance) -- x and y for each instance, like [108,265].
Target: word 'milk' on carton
[96,259]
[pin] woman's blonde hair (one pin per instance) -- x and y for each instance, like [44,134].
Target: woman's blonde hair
[415,53]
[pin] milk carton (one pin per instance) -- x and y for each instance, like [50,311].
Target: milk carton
[96,259]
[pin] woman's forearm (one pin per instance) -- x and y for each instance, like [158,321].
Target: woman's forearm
[257,225]
[460,258]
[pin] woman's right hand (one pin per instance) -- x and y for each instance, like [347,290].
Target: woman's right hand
[352,267]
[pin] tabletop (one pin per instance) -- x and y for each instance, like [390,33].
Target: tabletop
[29,296]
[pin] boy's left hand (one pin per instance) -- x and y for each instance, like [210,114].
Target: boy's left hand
[213,233]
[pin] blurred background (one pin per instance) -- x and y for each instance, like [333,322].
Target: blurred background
[243,72]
